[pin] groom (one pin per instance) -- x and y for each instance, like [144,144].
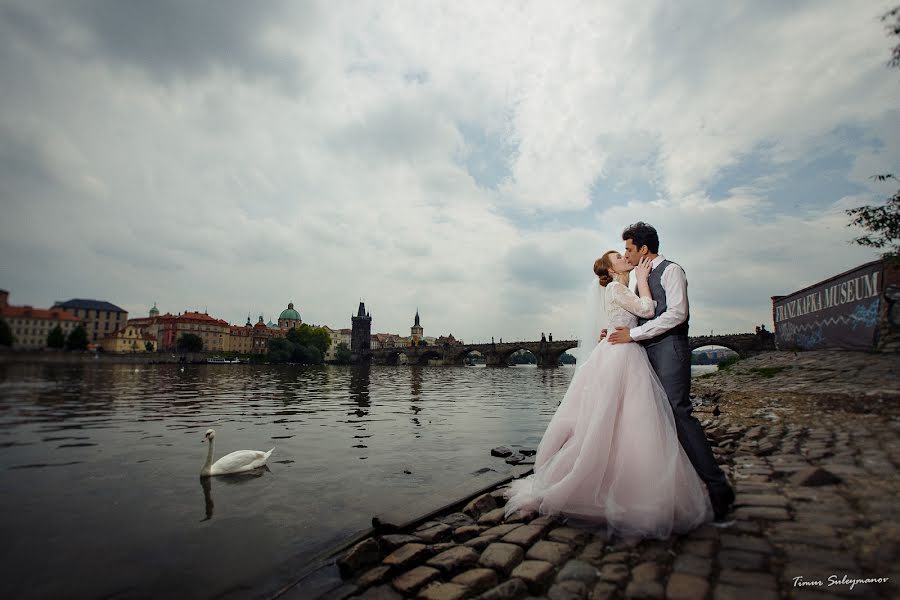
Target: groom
[665,337]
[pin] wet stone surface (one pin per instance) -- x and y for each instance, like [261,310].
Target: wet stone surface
[816,481]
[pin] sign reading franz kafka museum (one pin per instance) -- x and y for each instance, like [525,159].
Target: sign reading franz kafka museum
[840,312]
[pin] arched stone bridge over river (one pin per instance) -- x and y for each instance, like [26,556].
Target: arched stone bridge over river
[548,353]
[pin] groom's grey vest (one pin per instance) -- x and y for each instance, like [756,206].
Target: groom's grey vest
[659,294]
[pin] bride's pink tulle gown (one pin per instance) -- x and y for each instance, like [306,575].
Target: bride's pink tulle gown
[611,454]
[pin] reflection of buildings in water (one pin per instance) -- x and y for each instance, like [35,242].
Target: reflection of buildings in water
[360,376]
[415,390]
[415,381]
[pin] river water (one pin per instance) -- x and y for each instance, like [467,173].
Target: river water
[99,466]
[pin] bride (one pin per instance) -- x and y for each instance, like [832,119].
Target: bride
[611,454]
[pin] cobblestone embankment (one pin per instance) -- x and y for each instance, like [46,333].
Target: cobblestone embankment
[810,442]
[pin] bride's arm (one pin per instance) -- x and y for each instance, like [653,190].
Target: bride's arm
[624,297]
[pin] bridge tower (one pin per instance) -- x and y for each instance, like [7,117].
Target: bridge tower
[361,335]
[416,331]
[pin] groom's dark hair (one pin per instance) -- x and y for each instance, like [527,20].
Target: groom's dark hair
[642,234]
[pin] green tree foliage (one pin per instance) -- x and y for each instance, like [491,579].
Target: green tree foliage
[189,342]
[882,222]
[567,359]
[78,339]
[148,346]
[342,354]
[6,335]
[280,350]
[56,338]
[305,345]
[307,335]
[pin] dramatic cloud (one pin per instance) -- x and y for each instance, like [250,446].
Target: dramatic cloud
[468,159]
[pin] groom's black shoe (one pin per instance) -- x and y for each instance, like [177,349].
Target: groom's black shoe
[722,498]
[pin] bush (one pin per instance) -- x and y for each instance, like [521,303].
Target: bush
[726,363]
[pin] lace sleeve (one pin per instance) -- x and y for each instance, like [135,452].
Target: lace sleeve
[642,307]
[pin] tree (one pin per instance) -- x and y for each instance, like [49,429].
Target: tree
[892,18]
[78,339]
[280,350]
[6,335]
[882,222]
[148,346]
[56,338]
[189,342]
[307,335]
[342,354]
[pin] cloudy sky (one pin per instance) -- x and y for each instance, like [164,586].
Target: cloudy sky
[470,159]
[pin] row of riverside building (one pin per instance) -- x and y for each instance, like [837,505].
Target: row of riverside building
[109,328]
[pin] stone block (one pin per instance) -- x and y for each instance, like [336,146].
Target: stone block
[454,560]
[480,505]
[552,552]
[682,586]
[477,580]
[537,574]
[508,590]
[569,535]
[407,556]
[492,517]
[524,536]
[501,557]
[410,582]
[361,556]
[444,591]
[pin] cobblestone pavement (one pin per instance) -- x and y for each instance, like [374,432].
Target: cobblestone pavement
[817,497]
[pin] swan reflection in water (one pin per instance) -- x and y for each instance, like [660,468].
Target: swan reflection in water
[234,479]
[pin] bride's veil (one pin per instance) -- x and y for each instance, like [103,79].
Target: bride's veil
[593,320]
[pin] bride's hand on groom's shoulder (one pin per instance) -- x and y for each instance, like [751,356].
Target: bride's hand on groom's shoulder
[642,270]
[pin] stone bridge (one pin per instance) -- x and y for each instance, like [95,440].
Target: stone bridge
[548,353]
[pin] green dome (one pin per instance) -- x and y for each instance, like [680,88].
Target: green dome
[289,314]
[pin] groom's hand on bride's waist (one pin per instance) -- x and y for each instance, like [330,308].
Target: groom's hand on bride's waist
[603,333]
[622,335]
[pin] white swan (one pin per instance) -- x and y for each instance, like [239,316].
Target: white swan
[236,462]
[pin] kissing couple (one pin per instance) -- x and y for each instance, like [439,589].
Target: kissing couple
[623,449]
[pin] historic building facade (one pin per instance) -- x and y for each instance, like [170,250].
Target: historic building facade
[131,338]
[100,318]
[289,318]
[30,326]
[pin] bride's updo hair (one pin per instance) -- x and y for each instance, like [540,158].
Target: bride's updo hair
[602,268]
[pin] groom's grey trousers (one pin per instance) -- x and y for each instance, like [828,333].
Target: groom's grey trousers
[671,359]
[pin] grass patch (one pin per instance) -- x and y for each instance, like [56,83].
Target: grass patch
[724,365]
[767,372]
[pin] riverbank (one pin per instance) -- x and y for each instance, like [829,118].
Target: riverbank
[810,442]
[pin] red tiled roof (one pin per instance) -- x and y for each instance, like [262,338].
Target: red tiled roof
[29,312]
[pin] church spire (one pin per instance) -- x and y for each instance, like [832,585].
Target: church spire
[417,316]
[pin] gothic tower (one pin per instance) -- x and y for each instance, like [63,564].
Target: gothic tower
[416,331]
[361,335]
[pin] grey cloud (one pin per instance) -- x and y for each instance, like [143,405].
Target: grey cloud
[170,39]
[532,267]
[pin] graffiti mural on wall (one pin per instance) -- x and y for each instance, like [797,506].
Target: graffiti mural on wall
[840,312]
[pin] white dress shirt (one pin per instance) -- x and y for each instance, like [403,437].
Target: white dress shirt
[674,282]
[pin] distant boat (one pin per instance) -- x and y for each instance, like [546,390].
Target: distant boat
[218,360]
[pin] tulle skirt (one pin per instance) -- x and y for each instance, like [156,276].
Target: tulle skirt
[611,454]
